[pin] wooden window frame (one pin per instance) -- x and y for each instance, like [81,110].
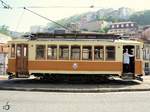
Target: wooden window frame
[106,54]
[60,57]
[13,53]
[42,58]
[99,52]
[53,48]
[90,52]
[76,46]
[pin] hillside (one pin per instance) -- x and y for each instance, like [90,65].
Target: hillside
[142,18]
[110,15]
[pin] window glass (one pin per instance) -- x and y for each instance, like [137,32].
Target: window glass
[117,26]
[110,53]
[18,50]
[98,53]
[137,52]
[122,25]
[144,53]
[127,25]
[87,53]
[13,50]
[75,52]
[146,65]
[25,51]
[52,52]
[64,52]
[132,24]
[40,52]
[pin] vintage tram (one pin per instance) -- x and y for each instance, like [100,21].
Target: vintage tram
[47,54]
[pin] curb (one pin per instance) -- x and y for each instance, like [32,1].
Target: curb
[74,90]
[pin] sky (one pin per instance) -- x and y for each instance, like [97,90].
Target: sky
[20,20]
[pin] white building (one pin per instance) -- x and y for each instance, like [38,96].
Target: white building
[94,25]
[38,29]
[128,29]
[3,53]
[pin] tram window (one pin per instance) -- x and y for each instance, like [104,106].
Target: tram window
[25,51]
[144,54]
[40,52]
[98,53]
[64,52]
[13,50]
[75,52]
[52,52]
[87,53]
[110,53]
[18,50]
[146,65]
[137,52]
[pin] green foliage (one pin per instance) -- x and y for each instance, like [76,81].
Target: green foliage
[84,29]
[4,29]
[142,18]
[103,30]
[65,22]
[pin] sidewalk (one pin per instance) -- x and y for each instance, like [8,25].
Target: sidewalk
[3,77]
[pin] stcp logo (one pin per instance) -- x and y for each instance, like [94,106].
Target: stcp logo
[75,66]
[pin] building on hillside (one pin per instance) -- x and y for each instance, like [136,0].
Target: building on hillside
[91,16]
[146,34]
[38,28]
[3,53]
[93,26]
[126,29]
[73,27]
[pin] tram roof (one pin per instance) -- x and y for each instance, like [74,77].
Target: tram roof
[77,37]
[90,35]
[127,41]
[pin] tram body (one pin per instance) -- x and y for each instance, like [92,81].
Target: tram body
[73,56]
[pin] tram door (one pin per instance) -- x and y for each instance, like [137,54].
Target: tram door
[22,60]
[131,67]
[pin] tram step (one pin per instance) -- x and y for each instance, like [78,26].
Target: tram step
[127,76]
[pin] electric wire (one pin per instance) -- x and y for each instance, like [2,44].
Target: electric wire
[38,7]
[19,21]
[5,5]
[45,18]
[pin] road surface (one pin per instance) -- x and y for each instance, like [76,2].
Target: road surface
[20,101]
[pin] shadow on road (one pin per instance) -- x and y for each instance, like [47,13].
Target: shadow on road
[67,84]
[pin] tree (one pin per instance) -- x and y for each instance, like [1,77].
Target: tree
[141,18]
[4,29]
[103,30]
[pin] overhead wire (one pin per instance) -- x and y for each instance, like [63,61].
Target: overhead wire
[38,7]
[45,18]
[6,6]
[19,21]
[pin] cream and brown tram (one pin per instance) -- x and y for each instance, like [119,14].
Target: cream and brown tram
[73,54]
